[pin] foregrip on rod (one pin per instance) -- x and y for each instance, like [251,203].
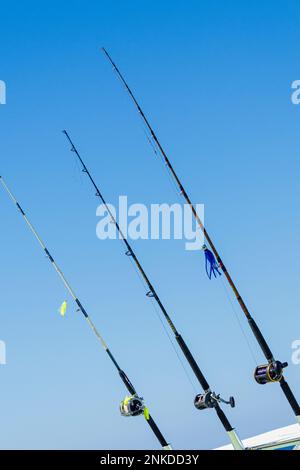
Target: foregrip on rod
[223,418]
[261,340]
[290,396]
[192,362]
[157,432]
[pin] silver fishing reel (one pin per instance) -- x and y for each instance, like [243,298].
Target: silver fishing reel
[272,372]
[210,400]
[132,406]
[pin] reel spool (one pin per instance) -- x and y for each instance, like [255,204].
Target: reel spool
[203,401]
[210,400]
[132,406]
[272,372]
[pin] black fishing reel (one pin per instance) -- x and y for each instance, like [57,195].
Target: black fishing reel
[132,406]
[210,400]
[272,372]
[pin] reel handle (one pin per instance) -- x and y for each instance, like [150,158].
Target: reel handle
[230,402]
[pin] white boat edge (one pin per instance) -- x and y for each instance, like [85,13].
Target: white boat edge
[286,438]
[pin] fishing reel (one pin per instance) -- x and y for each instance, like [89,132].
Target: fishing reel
[132,406]
[211,400]
[272,372]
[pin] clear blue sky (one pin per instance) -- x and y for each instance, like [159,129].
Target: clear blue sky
[214,78]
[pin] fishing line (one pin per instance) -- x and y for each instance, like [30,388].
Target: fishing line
[266,373]
[205,400]
[134,404]
[161,160]
[179,196]
[251,350]
[159,316]
[157,312]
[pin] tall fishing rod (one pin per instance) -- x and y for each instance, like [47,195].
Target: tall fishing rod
[266,373]
[205,400]
[133,405]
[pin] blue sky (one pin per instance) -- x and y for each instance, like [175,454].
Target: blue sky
[215,79]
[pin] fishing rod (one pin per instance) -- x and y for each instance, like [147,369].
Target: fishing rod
[132,405]
[266,373]
[208,399]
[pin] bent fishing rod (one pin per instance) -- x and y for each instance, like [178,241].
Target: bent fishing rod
[266,373]
[208,399]
[132,405]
